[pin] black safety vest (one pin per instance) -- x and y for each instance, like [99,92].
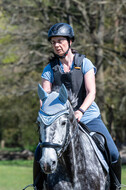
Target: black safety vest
[73,80]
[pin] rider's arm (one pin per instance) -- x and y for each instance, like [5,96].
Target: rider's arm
[47,78]
[46,85]
[90,86]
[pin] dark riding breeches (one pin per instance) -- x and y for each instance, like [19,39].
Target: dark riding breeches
[97,125]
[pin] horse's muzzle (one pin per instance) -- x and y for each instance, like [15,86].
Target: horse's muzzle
[48,169]
[48,161]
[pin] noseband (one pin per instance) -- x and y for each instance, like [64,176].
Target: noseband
[50,145]
[58,147]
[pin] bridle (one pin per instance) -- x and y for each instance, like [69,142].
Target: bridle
[56,146]
[60,148]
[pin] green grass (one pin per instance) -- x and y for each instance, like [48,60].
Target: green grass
[16,174]
[26,163]
[124,175]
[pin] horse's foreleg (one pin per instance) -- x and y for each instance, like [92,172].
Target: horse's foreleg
[38,176]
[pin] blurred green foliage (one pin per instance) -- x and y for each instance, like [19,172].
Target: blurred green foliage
[99,28]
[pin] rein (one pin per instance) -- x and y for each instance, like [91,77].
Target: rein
[65,147]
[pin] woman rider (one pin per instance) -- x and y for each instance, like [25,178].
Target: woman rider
[78,74]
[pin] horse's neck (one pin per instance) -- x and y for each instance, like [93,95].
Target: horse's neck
[74,154]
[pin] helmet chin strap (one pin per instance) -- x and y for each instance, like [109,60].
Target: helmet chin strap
[63,56]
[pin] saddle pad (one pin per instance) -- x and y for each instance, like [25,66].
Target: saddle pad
[97,151]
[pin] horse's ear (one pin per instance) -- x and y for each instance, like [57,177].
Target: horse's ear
[41,93]
[63,95]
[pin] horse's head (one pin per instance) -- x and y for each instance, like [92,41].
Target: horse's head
[54,121]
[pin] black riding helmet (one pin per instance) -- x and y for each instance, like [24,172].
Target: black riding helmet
[61,29]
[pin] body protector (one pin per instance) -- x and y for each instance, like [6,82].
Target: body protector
[73,80]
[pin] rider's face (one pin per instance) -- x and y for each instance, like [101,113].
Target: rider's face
[60,45]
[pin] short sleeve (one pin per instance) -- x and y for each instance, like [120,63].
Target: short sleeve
[48,73]
[88,65]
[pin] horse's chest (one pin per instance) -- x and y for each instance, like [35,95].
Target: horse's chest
[59,180]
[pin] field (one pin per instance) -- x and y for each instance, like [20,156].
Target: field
[15,175]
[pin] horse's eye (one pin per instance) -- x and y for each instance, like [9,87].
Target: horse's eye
[63,123]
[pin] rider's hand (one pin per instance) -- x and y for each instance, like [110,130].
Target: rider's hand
[78,115]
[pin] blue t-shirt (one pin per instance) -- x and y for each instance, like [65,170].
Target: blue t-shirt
[93,111]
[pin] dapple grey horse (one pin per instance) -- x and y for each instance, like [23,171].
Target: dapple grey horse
[67,156]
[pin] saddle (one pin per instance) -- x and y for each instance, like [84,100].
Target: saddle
[101,144]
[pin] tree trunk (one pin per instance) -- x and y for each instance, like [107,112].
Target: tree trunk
[99,55]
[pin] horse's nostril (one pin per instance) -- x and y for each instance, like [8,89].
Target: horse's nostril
[53,162]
